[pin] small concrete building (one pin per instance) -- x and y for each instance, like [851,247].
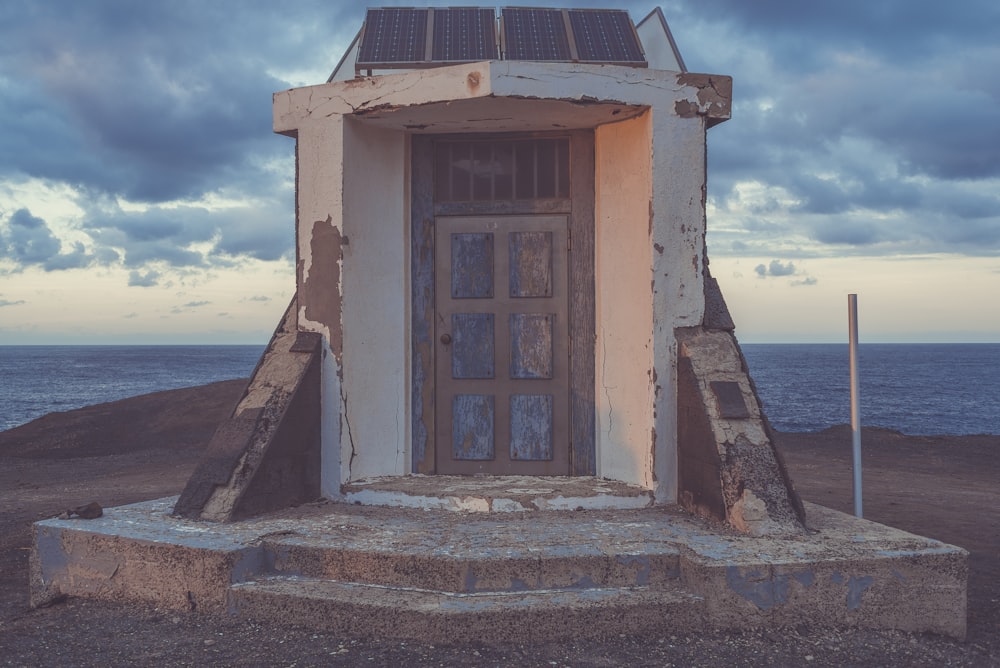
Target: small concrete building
[502,265]
[503,305]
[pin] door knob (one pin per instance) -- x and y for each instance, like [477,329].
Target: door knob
[446,338]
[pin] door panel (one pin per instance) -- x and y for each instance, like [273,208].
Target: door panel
[502,369]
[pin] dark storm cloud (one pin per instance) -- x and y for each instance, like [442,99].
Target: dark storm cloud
[192,236]
[877,122]
[151,101]
[28,241]
[872,125]
[910,27]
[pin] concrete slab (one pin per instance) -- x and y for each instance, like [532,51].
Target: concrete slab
[846,572]
[497,494]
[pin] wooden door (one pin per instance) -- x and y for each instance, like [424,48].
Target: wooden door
[502,336]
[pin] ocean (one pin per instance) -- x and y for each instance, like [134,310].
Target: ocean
[912,388]
[940,388]
[35,380]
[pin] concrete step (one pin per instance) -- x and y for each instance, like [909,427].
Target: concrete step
[845,573]
[358,610]
[451,567]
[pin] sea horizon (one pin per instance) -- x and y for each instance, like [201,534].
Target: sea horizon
[914,388]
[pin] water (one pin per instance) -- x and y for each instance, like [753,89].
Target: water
[913,388]
[35,380]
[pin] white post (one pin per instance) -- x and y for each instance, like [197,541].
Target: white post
[852,324]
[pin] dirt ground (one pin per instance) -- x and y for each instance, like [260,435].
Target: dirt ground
[145,448]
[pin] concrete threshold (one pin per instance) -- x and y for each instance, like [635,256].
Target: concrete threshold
[497,494]
[544,574]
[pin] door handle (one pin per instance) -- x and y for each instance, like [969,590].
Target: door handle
[446,338]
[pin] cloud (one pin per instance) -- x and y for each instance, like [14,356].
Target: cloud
[28,241]
[155,102]
[8,302]
[776,268]
[189,306]
[858,127]
[143,280]
[256,298]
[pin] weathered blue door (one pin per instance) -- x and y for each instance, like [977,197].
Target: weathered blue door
[502,332]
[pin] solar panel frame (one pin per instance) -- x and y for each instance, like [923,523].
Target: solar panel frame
[422,37]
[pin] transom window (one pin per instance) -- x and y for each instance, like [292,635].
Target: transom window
[501,170]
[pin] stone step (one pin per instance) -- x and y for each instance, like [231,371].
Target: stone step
[358,610]
[450,568]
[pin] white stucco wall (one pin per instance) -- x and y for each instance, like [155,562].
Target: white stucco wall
[354,183]
[678,227]
[375,275]
[623,308]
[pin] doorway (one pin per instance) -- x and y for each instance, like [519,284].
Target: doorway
[502,252]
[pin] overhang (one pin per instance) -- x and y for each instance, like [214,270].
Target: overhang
[490,96]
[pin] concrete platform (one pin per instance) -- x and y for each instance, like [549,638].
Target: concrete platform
[541,574]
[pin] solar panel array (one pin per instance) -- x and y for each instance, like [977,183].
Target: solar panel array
[410,37]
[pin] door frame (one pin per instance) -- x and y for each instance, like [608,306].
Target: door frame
[582,332]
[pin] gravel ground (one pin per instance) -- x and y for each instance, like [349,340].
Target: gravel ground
[145,447]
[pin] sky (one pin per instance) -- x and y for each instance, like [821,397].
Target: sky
[145,199]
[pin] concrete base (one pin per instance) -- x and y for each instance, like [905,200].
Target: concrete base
[440,576]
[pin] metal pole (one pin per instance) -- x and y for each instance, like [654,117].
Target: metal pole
[852,324]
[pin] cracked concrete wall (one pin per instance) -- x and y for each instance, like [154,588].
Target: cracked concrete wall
[352,276]
[623,308]
[678,227]
[376,270]
[656,212]
[732,470]
[266,455]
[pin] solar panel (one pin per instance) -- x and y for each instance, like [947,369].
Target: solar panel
[408,37]
[570,35]
[413,37]
[535,34]
[605,35]
[393,37]
[464,34]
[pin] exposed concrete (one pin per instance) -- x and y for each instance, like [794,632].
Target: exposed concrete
[729,467]
[497,494]
[431,574]
[266,455]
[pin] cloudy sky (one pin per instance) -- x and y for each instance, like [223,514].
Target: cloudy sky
[144,198]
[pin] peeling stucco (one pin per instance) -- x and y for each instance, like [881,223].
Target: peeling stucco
[321,301]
